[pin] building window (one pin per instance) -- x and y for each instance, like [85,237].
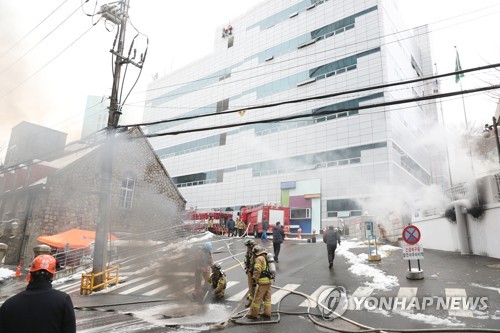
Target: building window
[343,207]
[300,213]
[230,41]
[127,190]
[222,105]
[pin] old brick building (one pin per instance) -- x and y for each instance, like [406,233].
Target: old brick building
[48,197]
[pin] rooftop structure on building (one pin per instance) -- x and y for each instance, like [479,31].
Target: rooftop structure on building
[29,141]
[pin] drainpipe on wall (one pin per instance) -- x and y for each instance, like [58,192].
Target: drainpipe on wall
[461,207]
[26,218]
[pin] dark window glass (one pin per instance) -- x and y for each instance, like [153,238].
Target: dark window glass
[342,205]
[230,41]
[222,141]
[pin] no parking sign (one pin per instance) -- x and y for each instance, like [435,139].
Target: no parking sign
[411,235]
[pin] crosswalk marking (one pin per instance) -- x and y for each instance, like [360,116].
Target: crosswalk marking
[155,291]
[405,296]
[66,287]
[231,284]
[141,286]
[359,293]
[127,283]
[238,296]
[181,273]
[458,293]
[319,294]
[277,296]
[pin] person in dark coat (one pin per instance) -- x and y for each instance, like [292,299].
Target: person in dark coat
[331,238]
[265,226]
[278,237]
[39,308]
[231,227]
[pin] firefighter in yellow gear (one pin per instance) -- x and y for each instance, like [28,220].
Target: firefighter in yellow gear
[262,279]
[218,281]
[249,263]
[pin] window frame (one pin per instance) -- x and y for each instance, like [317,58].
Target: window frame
[126,198]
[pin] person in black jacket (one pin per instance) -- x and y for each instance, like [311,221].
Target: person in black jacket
[331,238]
[39,308]
[278,236]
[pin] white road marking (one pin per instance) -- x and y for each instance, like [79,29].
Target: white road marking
[141,286]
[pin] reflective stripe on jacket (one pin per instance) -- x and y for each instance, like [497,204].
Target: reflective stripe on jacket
[258,268]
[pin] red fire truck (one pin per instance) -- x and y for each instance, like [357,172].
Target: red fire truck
[198,220]
[253,217]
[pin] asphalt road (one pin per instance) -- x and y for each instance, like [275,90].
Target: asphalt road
[154,293]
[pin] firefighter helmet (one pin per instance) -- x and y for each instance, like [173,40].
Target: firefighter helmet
[249,242]
[216,267]
[257,249]
[44,262]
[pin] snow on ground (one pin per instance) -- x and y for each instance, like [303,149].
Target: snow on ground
[432,320]
[359,267]
[484,287]
[6,273]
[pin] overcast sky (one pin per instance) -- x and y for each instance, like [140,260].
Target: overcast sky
[43,83]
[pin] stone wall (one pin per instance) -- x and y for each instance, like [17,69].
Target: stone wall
[70,198]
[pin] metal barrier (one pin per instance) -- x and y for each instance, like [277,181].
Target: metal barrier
[87,283]
[126,246]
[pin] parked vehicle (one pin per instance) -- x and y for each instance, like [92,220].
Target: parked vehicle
[253,217]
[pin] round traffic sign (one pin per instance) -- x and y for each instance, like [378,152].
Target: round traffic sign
[411,235]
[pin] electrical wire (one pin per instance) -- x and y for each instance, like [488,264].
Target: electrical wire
[308,55]
[33,29]
[39,42]
[46,64]
[320,96]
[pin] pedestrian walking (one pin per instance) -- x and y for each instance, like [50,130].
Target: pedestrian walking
[230,227]
[249,263]
[39,308]
[262,278]
[265,226]
[331,238]
[204,262]
[278,237]
[218,281]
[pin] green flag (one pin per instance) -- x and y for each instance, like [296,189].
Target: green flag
[458,67]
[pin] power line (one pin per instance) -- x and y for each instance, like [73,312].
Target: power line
[297,116]
[46,64]
[34,28]
[387,85]
[39,42]
[295,58]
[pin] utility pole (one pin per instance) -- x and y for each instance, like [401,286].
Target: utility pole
[118,14]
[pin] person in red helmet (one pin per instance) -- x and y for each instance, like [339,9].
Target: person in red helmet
[39,308]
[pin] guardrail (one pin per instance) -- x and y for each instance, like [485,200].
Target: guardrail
[127,245]
[87,283]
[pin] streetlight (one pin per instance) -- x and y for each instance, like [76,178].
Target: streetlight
[486,134]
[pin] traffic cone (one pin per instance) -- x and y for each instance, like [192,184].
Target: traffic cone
[18,270]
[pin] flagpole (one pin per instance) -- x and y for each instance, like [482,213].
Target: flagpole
[450,178]
[458,67]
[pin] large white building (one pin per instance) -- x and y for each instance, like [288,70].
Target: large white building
[324,166]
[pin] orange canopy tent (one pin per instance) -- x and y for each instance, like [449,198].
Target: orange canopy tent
[76,238]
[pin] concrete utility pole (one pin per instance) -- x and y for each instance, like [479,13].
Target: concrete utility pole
[118,14]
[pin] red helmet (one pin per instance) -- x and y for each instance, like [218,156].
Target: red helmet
[44,261]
